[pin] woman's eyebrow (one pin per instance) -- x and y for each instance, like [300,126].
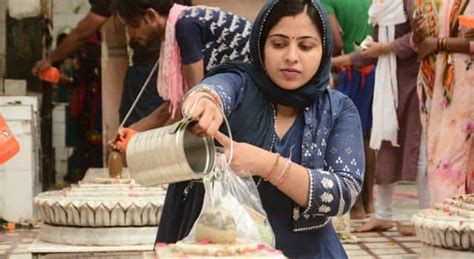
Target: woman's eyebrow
[287,37]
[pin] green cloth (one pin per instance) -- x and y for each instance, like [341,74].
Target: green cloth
[353,17]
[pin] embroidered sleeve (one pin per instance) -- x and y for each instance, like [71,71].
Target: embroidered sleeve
[229,86]
[334,188]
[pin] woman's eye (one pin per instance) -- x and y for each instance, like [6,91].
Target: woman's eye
[306,47]
[278,44]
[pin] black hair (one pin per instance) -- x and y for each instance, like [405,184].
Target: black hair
[286,8]
[131,11]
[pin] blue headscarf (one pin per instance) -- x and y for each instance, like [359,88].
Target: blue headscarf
[299,98]
[253,120]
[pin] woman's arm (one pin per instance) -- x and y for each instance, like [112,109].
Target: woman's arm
[432,45]
[326,191]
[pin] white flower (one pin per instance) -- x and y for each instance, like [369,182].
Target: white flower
[324,209]
[327,197]
[327,183]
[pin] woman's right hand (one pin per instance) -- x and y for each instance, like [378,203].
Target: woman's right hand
[202,108]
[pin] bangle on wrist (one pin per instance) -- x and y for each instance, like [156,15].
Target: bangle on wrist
[283,174]
[274,168]
[442,44]
[213,96]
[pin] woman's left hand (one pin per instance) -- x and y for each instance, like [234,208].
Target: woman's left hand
[245,157]
[427,47]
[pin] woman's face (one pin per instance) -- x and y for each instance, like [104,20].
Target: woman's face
[293,51]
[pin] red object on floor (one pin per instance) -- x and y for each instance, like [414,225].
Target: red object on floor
[9,145]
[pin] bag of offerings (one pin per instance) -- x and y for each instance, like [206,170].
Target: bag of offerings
[232,211]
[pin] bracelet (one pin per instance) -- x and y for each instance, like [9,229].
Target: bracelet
[284,175]
[211,92]
[442,44]
[188,110]
[274,168]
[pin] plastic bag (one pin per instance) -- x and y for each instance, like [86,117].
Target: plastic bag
[229,196]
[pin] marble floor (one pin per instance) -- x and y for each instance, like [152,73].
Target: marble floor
[388,244]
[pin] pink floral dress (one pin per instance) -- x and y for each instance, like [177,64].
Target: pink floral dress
[446,93]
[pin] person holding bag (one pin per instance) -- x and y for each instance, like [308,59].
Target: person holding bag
[301,141]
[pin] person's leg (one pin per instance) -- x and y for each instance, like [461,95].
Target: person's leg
[383,210]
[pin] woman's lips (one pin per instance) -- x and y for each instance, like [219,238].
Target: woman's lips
[290,72]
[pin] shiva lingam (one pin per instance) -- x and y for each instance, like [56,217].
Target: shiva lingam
[102,211]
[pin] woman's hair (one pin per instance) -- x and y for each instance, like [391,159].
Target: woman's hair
[286,8]
[131,11]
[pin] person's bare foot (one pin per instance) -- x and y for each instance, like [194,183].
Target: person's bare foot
[375,224]
[406,230]
[358,211]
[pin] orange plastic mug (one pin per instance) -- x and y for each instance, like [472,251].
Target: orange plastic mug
[51,75]
[9,145]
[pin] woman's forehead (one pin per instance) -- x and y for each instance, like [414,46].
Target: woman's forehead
[298,26]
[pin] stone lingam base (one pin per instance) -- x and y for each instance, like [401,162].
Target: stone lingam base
[101,211]
[112,236]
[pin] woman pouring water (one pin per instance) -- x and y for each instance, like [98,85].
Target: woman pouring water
[301,141]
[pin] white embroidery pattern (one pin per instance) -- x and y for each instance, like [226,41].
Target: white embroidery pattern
[324,209]
[353,162]
[327,183]
[324,172]
[327,197]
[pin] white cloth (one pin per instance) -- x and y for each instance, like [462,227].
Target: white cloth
[386,14]
[384,201]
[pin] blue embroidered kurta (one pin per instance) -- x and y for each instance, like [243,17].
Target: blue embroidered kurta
[330,145]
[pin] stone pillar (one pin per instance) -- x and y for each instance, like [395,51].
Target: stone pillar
[114,65]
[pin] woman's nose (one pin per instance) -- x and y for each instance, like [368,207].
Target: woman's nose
[292,54]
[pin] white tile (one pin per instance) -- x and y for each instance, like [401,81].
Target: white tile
[360,252]
[59,128]
[14,87]
[393,251]
[20,256]
[59,141]
[385,245]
